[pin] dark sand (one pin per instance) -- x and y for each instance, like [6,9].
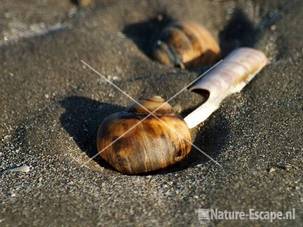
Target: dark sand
[51,107]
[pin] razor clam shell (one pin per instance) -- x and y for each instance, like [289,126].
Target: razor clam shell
[228,77]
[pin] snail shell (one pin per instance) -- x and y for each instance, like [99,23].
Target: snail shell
[187,45]
[155,143]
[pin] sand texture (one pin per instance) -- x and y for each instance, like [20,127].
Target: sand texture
[51,106]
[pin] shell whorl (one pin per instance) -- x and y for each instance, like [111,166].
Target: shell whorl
[133,143]
[155,105]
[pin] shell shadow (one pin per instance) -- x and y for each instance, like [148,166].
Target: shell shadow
[210,139]
[239,31]
[81,120]
[145,33]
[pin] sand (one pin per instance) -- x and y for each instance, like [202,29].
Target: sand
[51,107]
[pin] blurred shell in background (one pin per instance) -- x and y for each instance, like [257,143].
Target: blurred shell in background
[186,45]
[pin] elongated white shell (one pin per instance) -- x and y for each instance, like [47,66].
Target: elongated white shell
[23,169]
[228,77]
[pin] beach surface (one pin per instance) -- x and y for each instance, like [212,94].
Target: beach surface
[52,104]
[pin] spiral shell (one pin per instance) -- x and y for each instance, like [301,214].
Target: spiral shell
[187,45]
[133,142]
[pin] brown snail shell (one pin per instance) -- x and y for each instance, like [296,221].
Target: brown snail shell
[153,144]
[187,45]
